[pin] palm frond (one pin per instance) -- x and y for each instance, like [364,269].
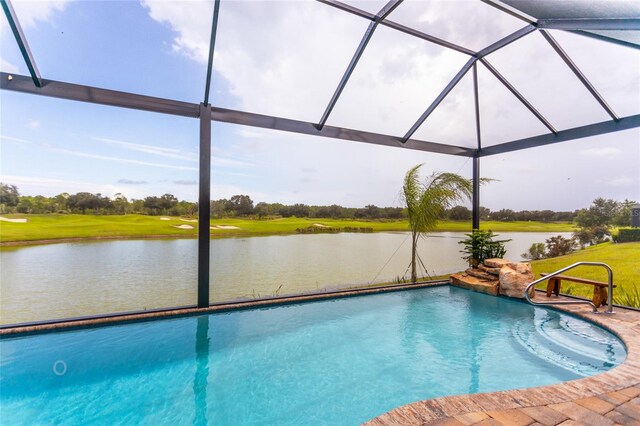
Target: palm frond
[426,202]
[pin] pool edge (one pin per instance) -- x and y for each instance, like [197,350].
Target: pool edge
[15,330]
[582,400]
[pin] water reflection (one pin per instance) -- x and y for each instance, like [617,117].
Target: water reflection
[202,370]
[457,336]
[138,275]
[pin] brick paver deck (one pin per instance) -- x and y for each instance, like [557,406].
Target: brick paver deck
[610,398]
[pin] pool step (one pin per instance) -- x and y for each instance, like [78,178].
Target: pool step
[563,341]
[583,337]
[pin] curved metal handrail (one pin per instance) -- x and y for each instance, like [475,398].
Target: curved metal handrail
[575,302]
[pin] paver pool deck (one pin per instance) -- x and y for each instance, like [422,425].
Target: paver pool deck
[610,398]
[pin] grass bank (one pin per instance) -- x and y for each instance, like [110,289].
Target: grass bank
[622,258]
[57,227]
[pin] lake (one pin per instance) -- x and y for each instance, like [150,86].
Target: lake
[75,279]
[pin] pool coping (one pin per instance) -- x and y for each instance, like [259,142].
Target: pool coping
[612,397]
[15,330]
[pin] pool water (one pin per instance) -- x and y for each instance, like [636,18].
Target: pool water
[334,362]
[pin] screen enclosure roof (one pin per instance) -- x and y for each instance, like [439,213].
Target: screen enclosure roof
[460,77]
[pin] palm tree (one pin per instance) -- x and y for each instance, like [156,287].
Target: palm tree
[425,203]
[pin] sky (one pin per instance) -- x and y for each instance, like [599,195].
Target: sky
[285,58]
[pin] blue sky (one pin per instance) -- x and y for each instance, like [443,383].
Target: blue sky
[285,59]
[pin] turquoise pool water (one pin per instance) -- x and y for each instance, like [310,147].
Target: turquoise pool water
[335,362]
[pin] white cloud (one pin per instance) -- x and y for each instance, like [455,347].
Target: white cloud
[35,185]
[150,149]
[192,25]
[45,182]
[250,134]
[30,12]
[121,160]
[185,182]
[132,182]
[13,139]
[604,152]
[7,66]
[286,59]
[279,58]
[481,24]
[228,162]
[33,124]
[619,181]
[220,190]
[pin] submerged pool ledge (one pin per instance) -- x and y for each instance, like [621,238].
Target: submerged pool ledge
[612,397]
[13,330]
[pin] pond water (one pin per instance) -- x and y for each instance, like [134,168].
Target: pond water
[76,279]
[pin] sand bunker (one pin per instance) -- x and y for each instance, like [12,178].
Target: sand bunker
[189,220]
[6,219]
[183,226]
[225,227]
[165,218]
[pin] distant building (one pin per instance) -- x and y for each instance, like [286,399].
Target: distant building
[635,216]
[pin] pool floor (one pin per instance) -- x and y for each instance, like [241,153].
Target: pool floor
[609,398]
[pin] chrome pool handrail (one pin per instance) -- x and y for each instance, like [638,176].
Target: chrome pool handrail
[575,302]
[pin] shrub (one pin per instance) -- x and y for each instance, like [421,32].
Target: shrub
[480,246]
[536,252]
[627,235]
[627,297]
[559,246]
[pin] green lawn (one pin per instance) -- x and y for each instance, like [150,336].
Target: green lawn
[50,227]
[623,258]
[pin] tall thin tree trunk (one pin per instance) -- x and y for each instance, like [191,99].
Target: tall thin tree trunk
[414,246]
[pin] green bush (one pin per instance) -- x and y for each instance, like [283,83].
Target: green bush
[627,235]
[536,252]
[480,246]
[559,246]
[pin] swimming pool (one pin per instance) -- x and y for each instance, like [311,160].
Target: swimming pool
[339,361]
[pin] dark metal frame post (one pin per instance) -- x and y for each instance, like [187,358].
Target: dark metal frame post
[22,41]
[604,127]
[583,79]
[81,93]
[204,212]
[476,99]
[456,79]
[212,46]
[475,210]
[378,18]
[518,95]
[76,92]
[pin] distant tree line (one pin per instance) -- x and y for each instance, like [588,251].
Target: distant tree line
[508,215]
[601,213]
[242,205]
[87,203]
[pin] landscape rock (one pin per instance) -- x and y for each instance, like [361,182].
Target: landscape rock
[496,262]
[475,284]
[514,278]
[477,273]
[492,271]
